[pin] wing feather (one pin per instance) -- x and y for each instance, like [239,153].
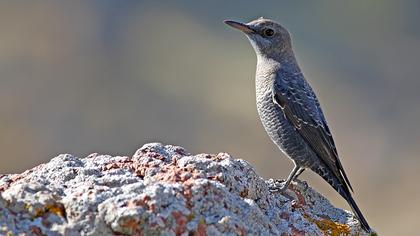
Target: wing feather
[301,107]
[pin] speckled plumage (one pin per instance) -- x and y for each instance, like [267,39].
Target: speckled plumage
[279,129]
[289,109]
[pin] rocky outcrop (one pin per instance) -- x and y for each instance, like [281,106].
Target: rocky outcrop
[161,190]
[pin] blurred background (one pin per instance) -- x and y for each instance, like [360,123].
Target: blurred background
[108,76]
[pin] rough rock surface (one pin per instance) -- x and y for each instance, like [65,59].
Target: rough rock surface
[161,190]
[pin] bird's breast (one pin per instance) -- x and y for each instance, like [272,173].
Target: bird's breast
[270,113]
[278,128]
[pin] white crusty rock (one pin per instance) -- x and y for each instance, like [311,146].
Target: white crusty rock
[161,190]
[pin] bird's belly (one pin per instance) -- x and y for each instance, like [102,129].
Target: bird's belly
[281,132]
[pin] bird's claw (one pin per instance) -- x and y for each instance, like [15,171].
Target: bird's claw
[278,187]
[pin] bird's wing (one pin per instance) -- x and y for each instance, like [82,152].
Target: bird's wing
[301,107]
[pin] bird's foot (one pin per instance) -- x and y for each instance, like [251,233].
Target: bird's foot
[278,187]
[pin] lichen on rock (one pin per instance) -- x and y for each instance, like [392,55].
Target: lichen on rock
[161,190]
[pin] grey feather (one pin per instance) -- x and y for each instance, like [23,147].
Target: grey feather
[301,107]
[290,111]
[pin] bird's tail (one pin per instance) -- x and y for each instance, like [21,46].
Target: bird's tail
[343,190]
[359,215]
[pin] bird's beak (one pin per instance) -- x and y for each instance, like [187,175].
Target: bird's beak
[240,26]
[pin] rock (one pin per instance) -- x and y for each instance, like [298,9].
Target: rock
[161,190]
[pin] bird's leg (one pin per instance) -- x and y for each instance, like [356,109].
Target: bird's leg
[298,173]
[281,187]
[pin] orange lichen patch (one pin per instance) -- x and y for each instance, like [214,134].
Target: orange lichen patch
[333,228]
[330,227]
[57,209]
[54,208]
[244,193]
[191,217]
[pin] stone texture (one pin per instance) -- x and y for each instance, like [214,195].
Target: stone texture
[161,190]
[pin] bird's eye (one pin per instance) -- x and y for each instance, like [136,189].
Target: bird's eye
[268,32]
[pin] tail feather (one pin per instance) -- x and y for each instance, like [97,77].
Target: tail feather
[342,188]
[359,215]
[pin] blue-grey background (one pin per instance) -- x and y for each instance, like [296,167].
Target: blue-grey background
[107,76]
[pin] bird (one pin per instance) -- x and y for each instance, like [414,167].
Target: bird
[290,111]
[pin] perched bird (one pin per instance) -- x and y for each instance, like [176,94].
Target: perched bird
[290,112]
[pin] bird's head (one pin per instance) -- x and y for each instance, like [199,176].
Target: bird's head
[268,37]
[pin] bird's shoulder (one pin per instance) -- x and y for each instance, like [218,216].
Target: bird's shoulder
[291,84]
